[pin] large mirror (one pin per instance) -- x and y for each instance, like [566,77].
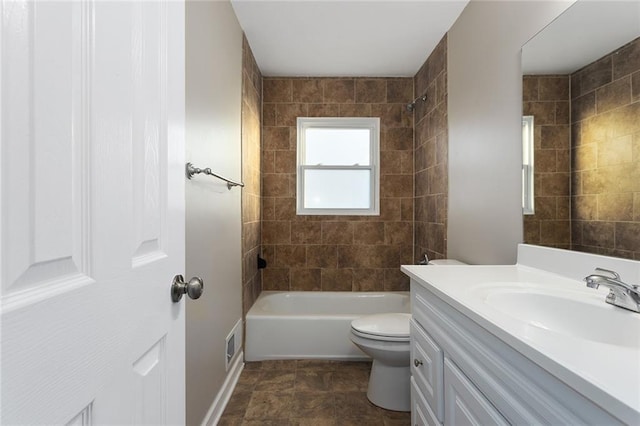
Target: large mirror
[581,85]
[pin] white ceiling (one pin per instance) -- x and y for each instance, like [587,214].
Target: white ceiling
[344,38]
[585,32]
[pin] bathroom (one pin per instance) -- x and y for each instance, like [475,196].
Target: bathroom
[450,188]
[352,254]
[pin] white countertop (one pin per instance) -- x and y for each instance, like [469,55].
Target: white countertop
[607,374]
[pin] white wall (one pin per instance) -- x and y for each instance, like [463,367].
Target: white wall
[213,233]
[485,115]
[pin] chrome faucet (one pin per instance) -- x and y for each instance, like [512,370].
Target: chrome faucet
[621,294]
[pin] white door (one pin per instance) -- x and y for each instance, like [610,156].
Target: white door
[92,200]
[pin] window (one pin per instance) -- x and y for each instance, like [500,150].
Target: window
[527,165]
[338,166]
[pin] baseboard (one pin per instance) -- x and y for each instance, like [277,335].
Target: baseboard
[219,404]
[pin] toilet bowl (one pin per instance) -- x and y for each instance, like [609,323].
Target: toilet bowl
[385,338]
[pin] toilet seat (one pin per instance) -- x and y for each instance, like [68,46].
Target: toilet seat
[393,327]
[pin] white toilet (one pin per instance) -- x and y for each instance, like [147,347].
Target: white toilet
[385,338]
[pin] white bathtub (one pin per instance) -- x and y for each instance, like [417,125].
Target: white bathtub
[312,325]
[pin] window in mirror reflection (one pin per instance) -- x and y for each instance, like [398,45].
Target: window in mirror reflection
[527,164]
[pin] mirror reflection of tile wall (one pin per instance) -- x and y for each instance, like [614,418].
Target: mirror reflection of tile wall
[546,98]
[605,121]
[603,144]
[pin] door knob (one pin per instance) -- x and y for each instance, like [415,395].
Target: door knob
[193,288]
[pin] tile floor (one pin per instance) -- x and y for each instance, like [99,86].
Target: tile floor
[306,392]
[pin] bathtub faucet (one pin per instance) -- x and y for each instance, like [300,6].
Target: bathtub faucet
[620,294]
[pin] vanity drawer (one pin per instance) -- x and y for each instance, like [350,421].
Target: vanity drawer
[427,360]
[421,413]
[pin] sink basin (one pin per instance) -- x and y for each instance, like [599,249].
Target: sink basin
[572,313]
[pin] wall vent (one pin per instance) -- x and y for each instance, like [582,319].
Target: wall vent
[232,344]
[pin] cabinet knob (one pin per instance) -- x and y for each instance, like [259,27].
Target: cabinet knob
[417,362]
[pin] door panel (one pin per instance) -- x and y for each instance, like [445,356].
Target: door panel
[83,418]
[151,384]
[43,249]
[149,103]
[92,206]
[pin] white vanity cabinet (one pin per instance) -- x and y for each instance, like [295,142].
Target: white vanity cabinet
[439,387]
[463,374]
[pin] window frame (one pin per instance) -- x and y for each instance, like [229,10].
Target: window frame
[370,123]
[528,168]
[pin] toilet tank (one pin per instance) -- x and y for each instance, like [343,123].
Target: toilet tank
[449,262]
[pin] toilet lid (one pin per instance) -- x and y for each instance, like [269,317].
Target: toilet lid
[385,325]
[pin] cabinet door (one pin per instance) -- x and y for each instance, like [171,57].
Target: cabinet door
[463,402]
[421,414]
[426,368]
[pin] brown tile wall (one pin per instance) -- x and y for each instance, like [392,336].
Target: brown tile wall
[605,126]
[336,253]
[431,156]
[546,97]
[251,131]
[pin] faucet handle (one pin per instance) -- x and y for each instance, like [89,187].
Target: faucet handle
[613,274]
